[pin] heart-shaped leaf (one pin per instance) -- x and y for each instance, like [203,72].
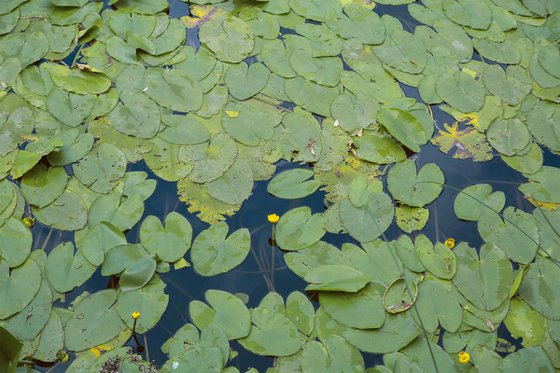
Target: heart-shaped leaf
[293,184]
[412,189]
[169,243]
[65,270]
[299,228]
[245,81]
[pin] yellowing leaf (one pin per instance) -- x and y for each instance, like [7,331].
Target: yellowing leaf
[199,15]
[468,143]
[545,205]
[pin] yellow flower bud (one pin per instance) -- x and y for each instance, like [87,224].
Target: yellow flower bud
[29,221]
[464,357]
[135,315]
[450,243]
[273,218]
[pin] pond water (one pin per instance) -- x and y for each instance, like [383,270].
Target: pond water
[264,270]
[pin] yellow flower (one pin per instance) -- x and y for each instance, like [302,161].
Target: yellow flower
[135,315]
[62,356]
[273,218]
[450,243]
[29,221]
[464,357]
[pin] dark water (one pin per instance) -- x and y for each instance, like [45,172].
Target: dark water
[185,285]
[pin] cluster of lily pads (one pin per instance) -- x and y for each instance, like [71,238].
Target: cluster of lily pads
[212,101]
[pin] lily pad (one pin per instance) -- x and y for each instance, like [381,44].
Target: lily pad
[509,137]
[19,287]
[293,184]
[41,185]
[169,243]
[65,270]
[212,253]
[245,81]
[15,242]
[471,202]
[230,38]
[411,133]
[540,287]
[414,189]
[224,310]
[335,278]
[93,322]
[369,221]
[101,170]
[299,228]
[68,212]
[461,91]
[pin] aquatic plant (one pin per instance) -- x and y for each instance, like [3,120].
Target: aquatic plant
[213,101]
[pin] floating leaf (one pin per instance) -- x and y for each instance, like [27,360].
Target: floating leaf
[299,228]
[461,91]
[517,234]
[436,306]
[471,202]
[224,310]
[361,310]
[78,81]
[541,185]
[293,184]
[173,89]
[415,190]
[230,38]
[19,286]
[15,242]
[404,127]
[235,185]
[101,170]
[311,96]
[68,212]
[245,81]
[523,322]
[65,270]
[132,263]
[378,147]
[169,243]
[411,218]
[509,137]
[41,185]
[94,321]
[438,259]
[210,160]
[540,287]
[486,283]
[212,253]
[335,278]
[368,222]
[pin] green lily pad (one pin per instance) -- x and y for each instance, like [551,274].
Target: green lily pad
[299,228]
[397,332]
[235,185]
[541,185]
[132,263]
[526,163]
[230,38]
[272,333]
[173,89]
[411,134]
[411,218]
[461,91]
[93,322]
[15,242]
[69,108]
[136,115]
[41,185]
[402,51]
[245,81]
[293,184]
[354,112]
[511,85]
[523,322]
[65,270]
[517,235]
[19,287]
[76,145]
[509,137]
[540,287]
[415,190]
[51,340]
[311,96]
[210,160]
[169,243]
[333,355]
[101,170]
[151,301]
[378,148]
[369,221]
[436,306]
[485,282]
[471,13]
[224,310]
[68,212]
[438,259]
[321,70]
[212,253]
[335,278]
[357,22]
[527,359]
[471,202]
[360,310]
[98,240]
[78,81]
